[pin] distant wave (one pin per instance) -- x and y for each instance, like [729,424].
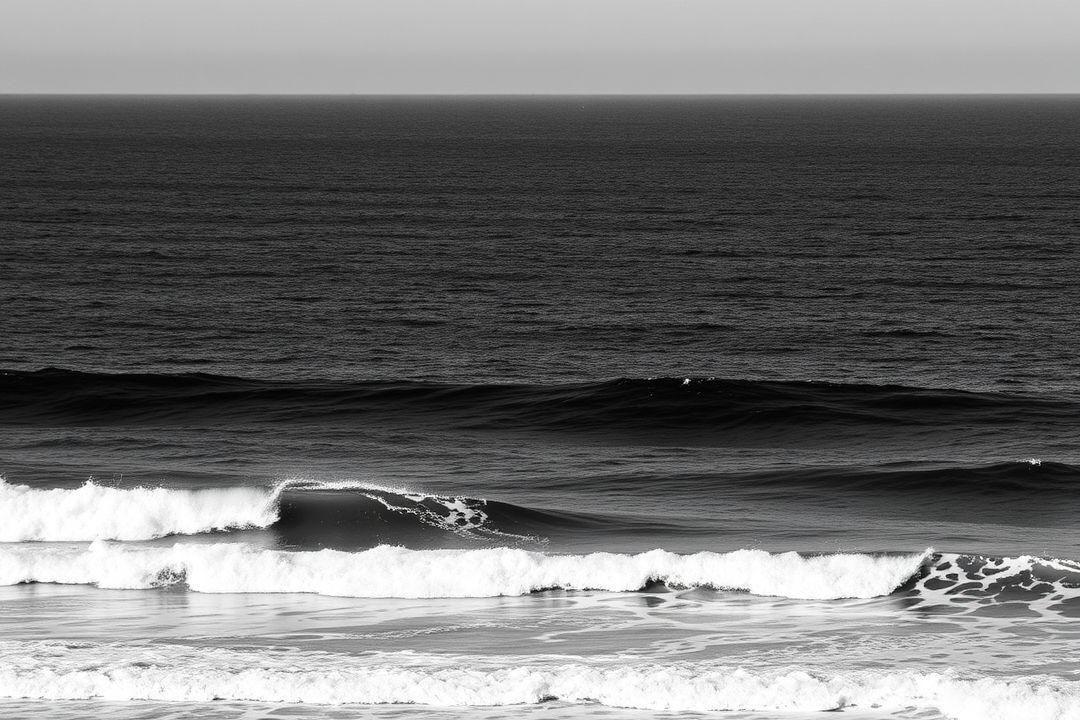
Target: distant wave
[62,397]
[389,571]
[164,672]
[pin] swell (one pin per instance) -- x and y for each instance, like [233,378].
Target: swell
[55,397]
[1007,479]
[968,489]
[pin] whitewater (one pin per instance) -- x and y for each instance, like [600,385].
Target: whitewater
[96,512]
[716,632]
[388,571]
[183,674]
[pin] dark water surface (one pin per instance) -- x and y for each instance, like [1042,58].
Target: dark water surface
[925,242]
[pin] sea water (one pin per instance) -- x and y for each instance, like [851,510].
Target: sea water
[550,407]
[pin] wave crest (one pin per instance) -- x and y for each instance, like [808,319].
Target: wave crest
[96,512]
[301,513]
[388,571]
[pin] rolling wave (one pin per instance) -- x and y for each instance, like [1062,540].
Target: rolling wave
[353,515]
[94,512]
[302,513]
[306,514]
[390,571]
[942,582]
[55,397]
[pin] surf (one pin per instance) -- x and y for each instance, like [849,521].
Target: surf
[304,513]
[95,512]
[391,571]
[300,513]
[178,673]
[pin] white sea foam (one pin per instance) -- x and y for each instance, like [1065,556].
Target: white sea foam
[460,515]
[96,512]
[388,571]
[974,582]
[179,673]
[455,514]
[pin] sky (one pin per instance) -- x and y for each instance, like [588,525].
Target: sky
[539,46]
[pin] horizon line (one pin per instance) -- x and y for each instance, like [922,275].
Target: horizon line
[761,94]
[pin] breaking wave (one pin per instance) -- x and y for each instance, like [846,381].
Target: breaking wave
[941,582]
[980,585]
[388,571]
[310,514]
[301,513]
[93,512]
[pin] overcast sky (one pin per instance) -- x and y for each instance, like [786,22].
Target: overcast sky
[539,46]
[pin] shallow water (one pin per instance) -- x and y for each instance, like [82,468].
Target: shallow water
[328,650]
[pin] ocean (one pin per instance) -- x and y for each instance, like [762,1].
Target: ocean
[550,407]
